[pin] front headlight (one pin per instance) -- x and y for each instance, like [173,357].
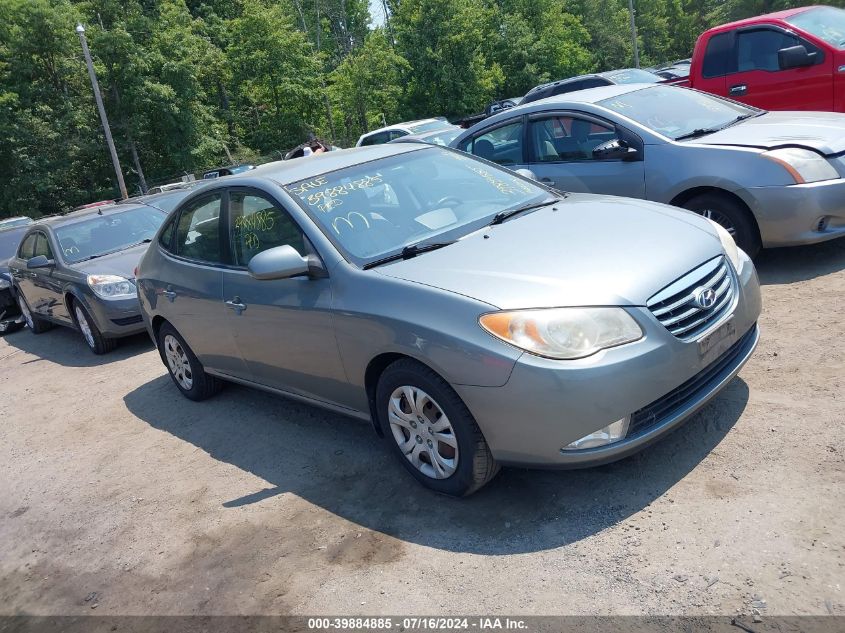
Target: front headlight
[728,243]
[802,164]
[4,284]
[111,286]
[563,333]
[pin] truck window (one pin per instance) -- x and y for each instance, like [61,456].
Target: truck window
[758,50]
[718,56]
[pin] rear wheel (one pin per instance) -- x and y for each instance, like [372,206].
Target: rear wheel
[36,325]
[733,216]
[431,430]
[184,367]
[91,334]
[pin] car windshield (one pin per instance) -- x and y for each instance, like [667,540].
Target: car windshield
[168,201]
[5,224]
[419,128]
[677,112]
[9,240]
[826,23]
[239,169]
[631,76]
[442,137]
[375,209]
[101,234]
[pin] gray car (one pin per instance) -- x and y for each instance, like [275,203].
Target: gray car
[770,178]
[77,270]
[476,317]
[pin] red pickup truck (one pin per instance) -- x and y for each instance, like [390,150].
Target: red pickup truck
[789,60]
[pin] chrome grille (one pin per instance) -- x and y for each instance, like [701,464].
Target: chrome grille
[677,309]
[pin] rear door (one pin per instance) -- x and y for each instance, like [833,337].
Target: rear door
[24,278]
[503,143]
[192,292]
[561,155]
[283,327]
[760,82]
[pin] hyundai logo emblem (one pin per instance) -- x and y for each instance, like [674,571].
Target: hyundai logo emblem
[704,298]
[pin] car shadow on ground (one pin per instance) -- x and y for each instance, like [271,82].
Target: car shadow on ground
[339,464]
[800,263]
[65,346]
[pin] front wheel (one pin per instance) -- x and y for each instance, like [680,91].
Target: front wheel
[95,340]
[184,367]
[36,325]
[732,216]
[431,430]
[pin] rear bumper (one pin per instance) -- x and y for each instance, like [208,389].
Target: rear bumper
[790,216]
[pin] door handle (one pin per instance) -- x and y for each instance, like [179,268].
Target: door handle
[236,305]
[738,89]
[171,296]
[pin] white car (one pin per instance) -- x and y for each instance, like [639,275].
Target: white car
[391,132]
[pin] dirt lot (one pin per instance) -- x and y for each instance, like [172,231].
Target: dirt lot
[113,484]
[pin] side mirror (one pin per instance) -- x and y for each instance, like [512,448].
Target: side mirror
[615,149]
[527,173]
[281,262]
[795,57]
[39,261]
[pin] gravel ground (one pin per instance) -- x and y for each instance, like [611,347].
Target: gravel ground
[118,494]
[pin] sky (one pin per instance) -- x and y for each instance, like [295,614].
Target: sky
[377,12]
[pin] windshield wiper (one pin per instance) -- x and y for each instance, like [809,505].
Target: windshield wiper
[504,215]
[408,252]
[704,131]
[117,250]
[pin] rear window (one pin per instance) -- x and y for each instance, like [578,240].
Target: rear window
[631,76]
[718,58]
[9,241]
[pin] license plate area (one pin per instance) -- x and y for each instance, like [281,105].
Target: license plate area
[717,342]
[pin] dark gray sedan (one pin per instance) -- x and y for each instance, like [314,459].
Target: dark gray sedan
[475,316]
[77,270]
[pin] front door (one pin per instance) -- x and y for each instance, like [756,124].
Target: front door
[760,82]
[561,155]
[283,327]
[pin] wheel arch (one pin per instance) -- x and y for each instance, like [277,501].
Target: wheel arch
[688,194]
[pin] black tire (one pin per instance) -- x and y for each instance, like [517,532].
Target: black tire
[91,334]
[13,327]
[475,464]
[36,325]
[202,385]
[732,215]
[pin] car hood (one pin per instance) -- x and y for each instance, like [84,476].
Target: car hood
[594,250]
[121,263]
[821,131]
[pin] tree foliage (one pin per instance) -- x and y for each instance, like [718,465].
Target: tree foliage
[187,84]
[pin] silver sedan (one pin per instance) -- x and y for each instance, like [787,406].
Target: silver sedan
[476,317]
[770,178]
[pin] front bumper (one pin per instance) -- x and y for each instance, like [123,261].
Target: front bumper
[10,312]
[547,404]
[117,318]
[798,214]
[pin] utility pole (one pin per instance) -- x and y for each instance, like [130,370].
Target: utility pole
[80,31]
[634,34]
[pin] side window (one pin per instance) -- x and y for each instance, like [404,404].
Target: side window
[718,60]
[502,145]
[42,246]
[198,231]
[376,139]
[566,138]
[758,50]
[394,134]
[258,224]
[27,247]
[166,237]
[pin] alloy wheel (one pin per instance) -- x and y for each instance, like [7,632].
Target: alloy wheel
[721,219]
[85,327]
[27,315]
[423,432]
[178,362]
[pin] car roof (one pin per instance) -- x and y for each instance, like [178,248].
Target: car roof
[561,82]
[757,19]
[589,95]
[402,125]
[293,170]
[83,214]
